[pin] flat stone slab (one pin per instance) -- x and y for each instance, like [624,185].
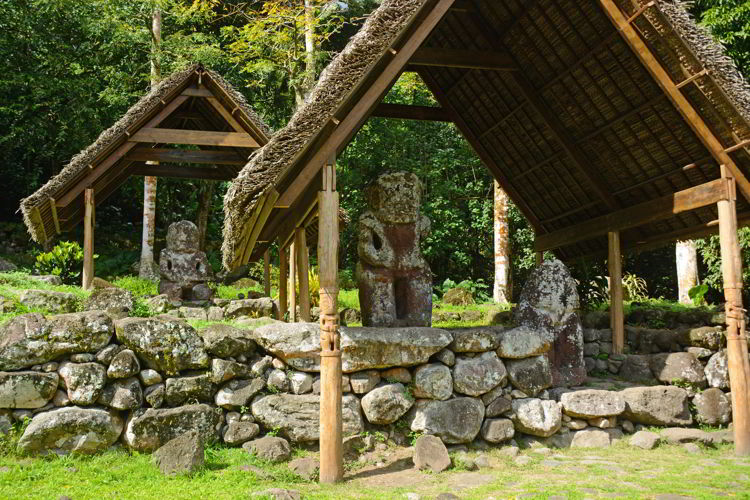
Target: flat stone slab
[298,345]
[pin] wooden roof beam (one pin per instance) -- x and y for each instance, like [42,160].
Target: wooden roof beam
[660,208]
[406,112]
[466,59]
[202,156]
[680,102]
[165,170]
[195,137]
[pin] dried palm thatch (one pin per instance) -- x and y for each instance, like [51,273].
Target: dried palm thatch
[631,144]
[338,80]
[147,106]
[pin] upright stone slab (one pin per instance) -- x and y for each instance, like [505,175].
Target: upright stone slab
[183,267]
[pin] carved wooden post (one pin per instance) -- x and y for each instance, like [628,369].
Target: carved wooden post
[616,314]
[267,273]
[731,267]
[331,461]
[303,266]
[88,238]
[283,266]
[292,282]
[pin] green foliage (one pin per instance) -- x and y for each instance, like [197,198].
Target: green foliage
[349,299]
[9,440]
[138,286]
[634,287]
[697,294]
[64,260]
[710,251]
[141,309]
[729,22]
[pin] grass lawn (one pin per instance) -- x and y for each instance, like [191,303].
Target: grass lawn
[617,471]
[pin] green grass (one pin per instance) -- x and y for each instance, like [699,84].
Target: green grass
[620,469]
[349,299]
[138,286]
[12,284]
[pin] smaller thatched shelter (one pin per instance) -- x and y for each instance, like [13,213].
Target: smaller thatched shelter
[194,107]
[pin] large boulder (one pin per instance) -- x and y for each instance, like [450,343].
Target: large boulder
[592,403]
[478,375]
[530,375]
[239,432]
[148,430]
[115,301]
[433,381]
[386,404]
[590,438]
[270,448]
[238,393]
[30,339]
[84,381]
[298,416]
[262,307]
[713,407]
[678,367]
[479,339]
[523,342]
[717,370]
[457,420]
[48,300]
[536,416]
[458,297]
[71,429]
[26,390]
[181,455]
[192,388]
[658,405]
[498,430]
[298,345]
[636,368]
[166,345]
[226,341]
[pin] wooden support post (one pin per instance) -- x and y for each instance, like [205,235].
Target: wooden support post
[739,372]
[303,266]
[283,268]
[88,238]
[539,258]
[267,273]
[616,314]
[293,283]
[331,444]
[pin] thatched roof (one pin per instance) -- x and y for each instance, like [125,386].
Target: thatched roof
[581,129]
[40,226]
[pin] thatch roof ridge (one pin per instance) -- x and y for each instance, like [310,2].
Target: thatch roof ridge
[337,81]
[711,55]
[145,105]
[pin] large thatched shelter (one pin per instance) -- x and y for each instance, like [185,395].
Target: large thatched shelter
[610,123]
[195,108]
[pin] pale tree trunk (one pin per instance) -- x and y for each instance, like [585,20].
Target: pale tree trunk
[310,69]
[149,183]
[501,292]
[687,269]
[205,197]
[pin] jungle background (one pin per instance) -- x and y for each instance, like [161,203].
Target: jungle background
[70,68]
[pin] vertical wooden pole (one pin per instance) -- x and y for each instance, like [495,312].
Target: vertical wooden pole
[267,273]
[283,267]
[331,444]
[303,265]
[539,258]
[88,238]
[731,268]
[616,313]
[293,283]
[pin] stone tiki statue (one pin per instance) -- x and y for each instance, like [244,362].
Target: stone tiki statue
[184,269]
[395,282]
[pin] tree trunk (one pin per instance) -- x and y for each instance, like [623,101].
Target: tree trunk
[687,269]
[310,69]
[502,290]
[205,198]
[146,269]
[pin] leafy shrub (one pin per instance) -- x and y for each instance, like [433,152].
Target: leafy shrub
[635,288]
[64,260]
[697,294]
[346,280]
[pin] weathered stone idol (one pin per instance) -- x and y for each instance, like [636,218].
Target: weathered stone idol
[184,269]
[395,282]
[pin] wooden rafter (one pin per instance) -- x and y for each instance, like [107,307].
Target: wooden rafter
[178,172]
[201,156]
[681,103]
[195,137]
[660,208]
[465,59]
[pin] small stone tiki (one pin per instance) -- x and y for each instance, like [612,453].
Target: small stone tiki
[184,269]
[395,281]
